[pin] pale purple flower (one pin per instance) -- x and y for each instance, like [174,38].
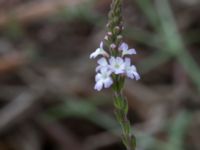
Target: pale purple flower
[117,65]
[103,79]
[99,51]
[130,70]
[125,51]
[102,63]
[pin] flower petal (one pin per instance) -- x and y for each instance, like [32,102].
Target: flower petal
[137,76]
[102,61]
[95,53]
[119,60]
[104,70]
[101,45]
[112,61]
[123,47]
[130,75]
[127,61]
[132,51]
[133,68]
[98,86]
[119,71]
[108,82]
[98,68]
[129,52]
[98,77]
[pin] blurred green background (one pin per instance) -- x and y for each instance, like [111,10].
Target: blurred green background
[47,100]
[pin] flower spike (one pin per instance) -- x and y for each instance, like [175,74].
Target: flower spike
[114,68]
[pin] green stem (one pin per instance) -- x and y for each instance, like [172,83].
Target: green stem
[121,111]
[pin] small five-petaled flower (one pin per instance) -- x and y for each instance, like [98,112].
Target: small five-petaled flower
[108,65]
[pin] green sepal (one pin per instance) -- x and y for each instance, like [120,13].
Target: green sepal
[119,117]
[125,106]
[133,142]
[127,128]
[125,141]
[118,103]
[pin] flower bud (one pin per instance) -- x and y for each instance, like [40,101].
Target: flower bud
[109,33]
[108,25]
[119,37]
[106,38]
[113,46]
[117,29]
